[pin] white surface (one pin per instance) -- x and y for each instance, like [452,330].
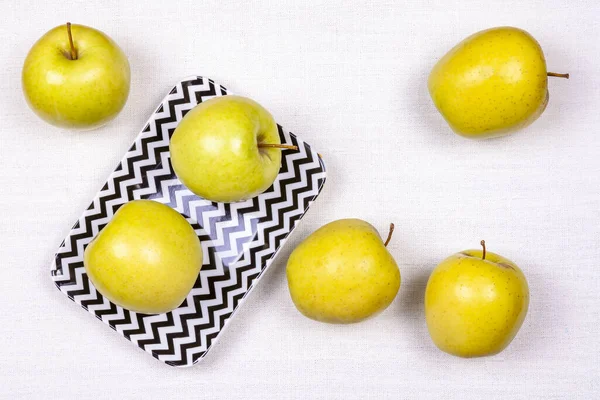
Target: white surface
[350,79]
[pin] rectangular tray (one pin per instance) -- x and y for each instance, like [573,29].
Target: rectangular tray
[239,240]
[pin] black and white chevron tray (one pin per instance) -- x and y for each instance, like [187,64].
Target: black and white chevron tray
[239,240]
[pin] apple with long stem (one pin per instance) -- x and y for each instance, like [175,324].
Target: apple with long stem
[227,149]
[76,77]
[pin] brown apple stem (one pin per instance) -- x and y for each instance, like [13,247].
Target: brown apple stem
[483,245]
[277,146]
[389,235]
[73,49]
[558,75]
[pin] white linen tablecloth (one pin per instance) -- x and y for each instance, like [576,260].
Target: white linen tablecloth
[350,79]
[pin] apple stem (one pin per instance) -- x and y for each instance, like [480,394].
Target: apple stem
[483,245]
[73,49]
[277,146]
[389,237]
[558,75]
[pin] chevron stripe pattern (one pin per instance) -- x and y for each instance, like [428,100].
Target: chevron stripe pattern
[239,240]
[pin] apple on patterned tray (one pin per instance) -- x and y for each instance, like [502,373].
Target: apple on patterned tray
[202,202]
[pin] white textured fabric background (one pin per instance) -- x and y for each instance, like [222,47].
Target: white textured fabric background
[350,79]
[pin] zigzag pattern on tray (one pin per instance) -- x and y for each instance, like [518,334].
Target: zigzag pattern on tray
[239,239]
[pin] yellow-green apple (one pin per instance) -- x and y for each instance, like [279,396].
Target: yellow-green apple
[227,149]
[492,83]
[76,77]
[343,273]
[475,303]
[146,259]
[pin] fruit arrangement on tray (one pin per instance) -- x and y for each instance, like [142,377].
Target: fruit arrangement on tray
[212,186]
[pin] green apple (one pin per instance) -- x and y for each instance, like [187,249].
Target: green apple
[492,83]
[343,273]
[146,259]
[76,77]
[227,149]
[475,303]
